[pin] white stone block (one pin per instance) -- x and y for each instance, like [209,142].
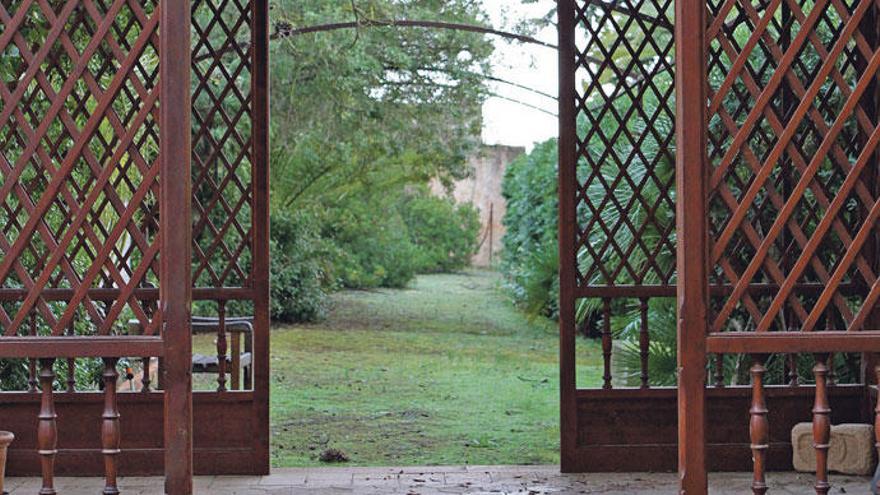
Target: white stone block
[852,449]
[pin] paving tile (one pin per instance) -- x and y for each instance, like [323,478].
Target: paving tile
[448,480]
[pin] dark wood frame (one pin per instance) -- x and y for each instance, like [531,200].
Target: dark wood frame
[606,429]
[237,441]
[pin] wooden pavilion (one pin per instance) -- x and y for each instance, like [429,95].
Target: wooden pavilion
[134,139]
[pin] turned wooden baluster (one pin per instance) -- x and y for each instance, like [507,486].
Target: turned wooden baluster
[145,376]
[759,427]
[71,365]
[47,431]
[719,370]
[606,342]
[794,378]
[32,363]
[644,341]
[110,432]
[832,375]
[221,347]
[160,370]
[821,424]
[235,359]
[877,416]
[831,378]
[146,361]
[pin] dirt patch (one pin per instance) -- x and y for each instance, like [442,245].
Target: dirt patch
[333,456]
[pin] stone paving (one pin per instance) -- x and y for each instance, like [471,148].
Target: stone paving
[483,480]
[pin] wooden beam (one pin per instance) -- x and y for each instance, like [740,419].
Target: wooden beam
[692,234]
[567,229]
[260,222]
[80,347]
[793,342]
[176,233]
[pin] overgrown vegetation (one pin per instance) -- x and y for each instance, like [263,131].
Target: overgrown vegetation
[530,257]
[363,120]
[530,261]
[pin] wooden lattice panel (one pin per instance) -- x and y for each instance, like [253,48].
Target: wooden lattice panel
[792,146]
[625,206]
[222,147]
[79,157]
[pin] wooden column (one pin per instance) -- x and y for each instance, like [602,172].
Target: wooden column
[47,432]
[176,232]
[567,232]
[759,427]
[110,431]
[260,136]
[821,424]
[692,234]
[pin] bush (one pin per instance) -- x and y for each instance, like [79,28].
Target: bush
[530,260]
[87,373]
[298,268]
[446,235]
[373,245]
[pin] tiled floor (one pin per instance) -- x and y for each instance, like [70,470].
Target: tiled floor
[494,480]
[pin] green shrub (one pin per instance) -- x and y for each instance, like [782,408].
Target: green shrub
[446,235]
[373,245]
[530,260]
[87,373]
[299,268]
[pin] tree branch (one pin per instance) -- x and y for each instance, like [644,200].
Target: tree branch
[528,105]
[285,30]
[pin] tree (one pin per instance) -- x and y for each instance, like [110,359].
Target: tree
[373,109]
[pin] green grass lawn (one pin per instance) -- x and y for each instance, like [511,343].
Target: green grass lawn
[444,372]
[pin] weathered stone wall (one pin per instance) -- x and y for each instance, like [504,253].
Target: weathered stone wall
[483,189]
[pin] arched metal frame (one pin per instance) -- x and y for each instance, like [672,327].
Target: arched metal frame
[101,162]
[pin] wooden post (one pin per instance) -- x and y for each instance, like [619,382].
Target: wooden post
[110,432]
[759,427]
[176,232]
[567,228]
[260,136]
[47,433]
[692,234]
[821,425]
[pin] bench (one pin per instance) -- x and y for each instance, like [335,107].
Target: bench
[237,361]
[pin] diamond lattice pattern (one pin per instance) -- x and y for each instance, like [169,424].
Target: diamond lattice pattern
[222,147]
[793,106]
[78,152]
[625,199]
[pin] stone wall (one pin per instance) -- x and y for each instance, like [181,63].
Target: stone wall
[483,189]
